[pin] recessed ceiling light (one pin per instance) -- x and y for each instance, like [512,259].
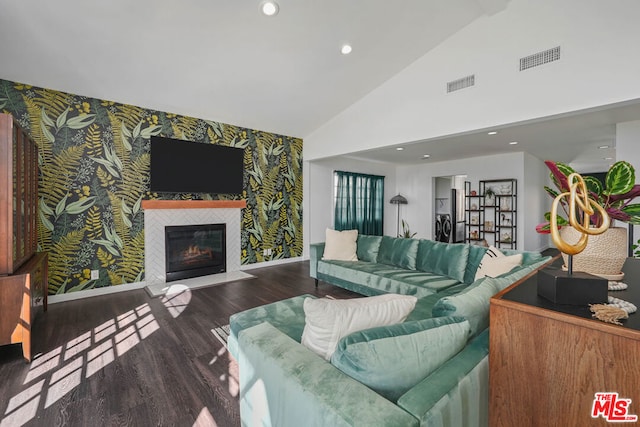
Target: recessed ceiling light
[346,49]
[603,147]
[399,148]
[493,132]
[426,156]
[513,143]
[608,158]
[269,8]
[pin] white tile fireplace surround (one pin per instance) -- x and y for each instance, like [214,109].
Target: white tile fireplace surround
[161,213]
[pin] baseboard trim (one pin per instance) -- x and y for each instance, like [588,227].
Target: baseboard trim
[53,299]
[271,263]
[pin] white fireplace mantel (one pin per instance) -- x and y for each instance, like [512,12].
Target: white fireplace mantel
[161,213]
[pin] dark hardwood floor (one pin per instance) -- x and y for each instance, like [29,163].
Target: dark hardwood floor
[127,359]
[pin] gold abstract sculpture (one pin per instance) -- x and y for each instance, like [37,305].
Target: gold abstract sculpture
[578,198]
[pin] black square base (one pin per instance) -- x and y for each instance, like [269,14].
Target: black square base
[580,288]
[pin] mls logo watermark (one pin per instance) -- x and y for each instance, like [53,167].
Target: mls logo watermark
[612,408]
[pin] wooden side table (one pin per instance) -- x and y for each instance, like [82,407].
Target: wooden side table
[548,361]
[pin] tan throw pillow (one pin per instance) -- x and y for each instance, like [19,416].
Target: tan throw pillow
[494,263]
[341,245]
[327,321]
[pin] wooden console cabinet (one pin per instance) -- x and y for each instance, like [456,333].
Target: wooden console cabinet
[22,296]
[547,361]
[23,272]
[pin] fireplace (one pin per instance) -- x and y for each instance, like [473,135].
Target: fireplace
[195,250]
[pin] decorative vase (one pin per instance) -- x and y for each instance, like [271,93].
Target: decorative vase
[604,255]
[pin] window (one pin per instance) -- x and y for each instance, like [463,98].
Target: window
[359,202]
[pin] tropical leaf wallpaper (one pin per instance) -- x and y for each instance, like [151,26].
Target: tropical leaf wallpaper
[94,166]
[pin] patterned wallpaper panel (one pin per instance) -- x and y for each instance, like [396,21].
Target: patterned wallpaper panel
[94,165]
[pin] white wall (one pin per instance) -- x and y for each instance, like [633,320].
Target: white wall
[318,199]
[597,67]
[628,144]
[628,148]
[417,183]
[534,201]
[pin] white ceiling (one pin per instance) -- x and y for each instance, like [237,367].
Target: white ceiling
[574,138]
[223,60]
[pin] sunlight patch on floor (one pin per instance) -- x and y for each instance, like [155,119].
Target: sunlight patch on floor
[24,397]
[205,419]
[23,407]
[77,345]
[63,381]
[176,299]
[233,378]
[43,364]
[88,353]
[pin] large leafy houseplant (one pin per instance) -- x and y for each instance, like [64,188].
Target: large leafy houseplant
[615,196]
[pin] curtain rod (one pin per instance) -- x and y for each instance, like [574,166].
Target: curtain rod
[359,173]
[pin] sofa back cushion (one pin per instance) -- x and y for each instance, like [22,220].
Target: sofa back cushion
[446,259]
[368,247]
[528,257]
[328,320]
[475,256]
[391,360]
[472,304]
[398,252]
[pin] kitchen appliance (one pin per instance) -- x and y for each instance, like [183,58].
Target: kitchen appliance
[449,224]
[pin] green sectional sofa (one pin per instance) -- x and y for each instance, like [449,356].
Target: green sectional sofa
[283,383]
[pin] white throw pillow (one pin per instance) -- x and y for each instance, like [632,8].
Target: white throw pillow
[495,263]
[341,245]
[327,320]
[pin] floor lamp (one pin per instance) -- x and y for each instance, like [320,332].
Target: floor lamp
[398,200]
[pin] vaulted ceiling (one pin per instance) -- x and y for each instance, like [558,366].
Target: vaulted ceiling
[224,60]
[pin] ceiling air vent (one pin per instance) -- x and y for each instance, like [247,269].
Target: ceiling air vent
[540,58]
[461,83]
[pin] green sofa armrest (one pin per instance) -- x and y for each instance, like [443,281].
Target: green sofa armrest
[457,393]
[315,254]
[282,383]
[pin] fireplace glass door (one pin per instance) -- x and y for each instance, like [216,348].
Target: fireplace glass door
[195,250]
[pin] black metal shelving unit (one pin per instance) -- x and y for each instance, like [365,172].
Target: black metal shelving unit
[491,212]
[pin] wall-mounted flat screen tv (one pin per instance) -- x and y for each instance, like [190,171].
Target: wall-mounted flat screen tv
[193,167]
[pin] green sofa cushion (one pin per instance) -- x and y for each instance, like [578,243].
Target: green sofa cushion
[473,304]
[368,247]
[283,384]
[373,279]
[447,259]
[456,393]
[399,252]
[473,261]
[286,315]
[392,359]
